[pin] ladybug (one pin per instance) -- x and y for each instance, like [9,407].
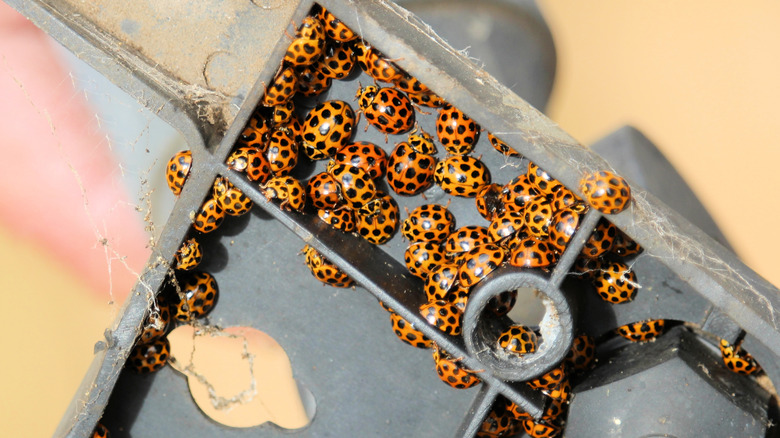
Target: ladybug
[407,333]
[337,62]
[462,175]
[178,170]
[232,200]
[561,392]
[601,240]
[517,193]
[441,281]
[443,315]
[518,339]
[334,28]
[515,410]
[738,360]
[550,379]
[196,294]
[428,223]
[606,192]
[423,257]
[615,282]
[209,217]
[642,331]
[624,246]
[387,109]
[582,353]
[150,357]
[365,155]
[498,423]
[553,412]
[542,180]
[409,172]
[100,432]
[282,88]
[452,372]
[564,198]
[251,160]
[479,262]
[283,114]
[562,227]
[457,132]
[340,218]
[282,152]
[489,202]
[505,225]
[503,303]
[188,256]
[374,63]
[378,220]
[312,80]
[459,297]
[257,130]
[323,191]
[309,44]
[540,430]
[429,99]
[586,266]
[324,270]
[410,85]
[357,187]
[502,147]
[328,128]
[465,239]
[422,142]
[286,189]
[538,215]
[156,322]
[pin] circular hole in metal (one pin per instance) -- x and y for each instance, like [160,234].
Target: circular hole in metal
[549,313]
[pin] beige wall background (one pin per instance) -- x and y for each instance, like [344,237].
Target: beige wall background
[699,78]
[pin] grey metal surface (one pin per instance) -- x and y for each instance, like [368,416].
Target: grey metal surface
[679,259]
[673,387]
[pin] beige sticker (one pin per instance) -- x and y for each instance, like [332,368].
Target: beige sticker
[238,376]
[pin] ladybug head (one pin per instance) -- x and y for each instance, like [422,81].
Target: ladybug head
[422,142]
[365,95]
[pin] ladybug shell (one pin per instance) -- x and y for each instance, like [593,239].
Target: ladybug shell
[738,360]
[422,142]
[606,192]
[282,152]
[423,257]
[428,223]
[601,240]
[540,430]
[387,109]
[517,193]
[531,252]
[323,191]
[209,217]
[457,132]
[642,331]
[380,223]
[409,172]
[334,28]
[340,218]
[502,147]
[562,227]
[357,187]
[328,127]
[365,155]
[503,303]
[452,372]
[286,189]
[149,357]
[231,199]
[407,333]
[518,339]
[462,175]
[465,239]
[100,432]
[251,160]
[441,281]
[307,48]
[538,215]
[282,88]
[550,379]
[324,270]
[373,62]
[337,61]
[188,256]
[199,293]
[443,315]
[479,262]
[156,322]
[429,99]
[615,282]
[565,198]
[624,246]
[312,80]
[410,85]
[506,225]
[256,131]
[582,353]
[178,170]
[541,180]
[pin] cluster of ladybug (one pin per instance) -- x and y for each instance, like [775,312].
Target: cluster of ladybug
[531,218]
